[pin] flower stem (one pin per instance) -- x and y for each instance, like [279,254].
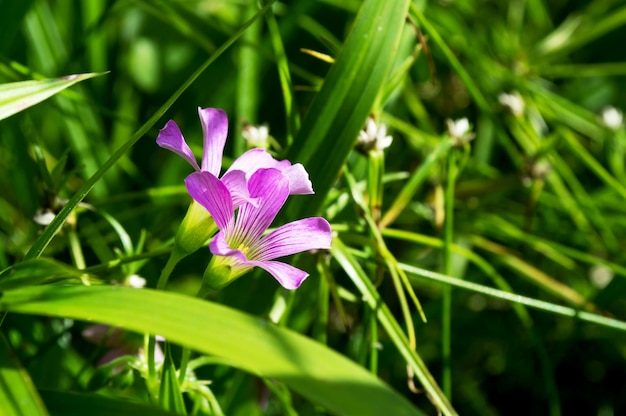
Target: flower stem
[447,268]
[184,361]
[175,257]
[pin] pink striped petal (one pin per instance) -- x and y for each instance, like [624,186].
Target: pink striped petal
[299,182]
[213,195]
[255,159]
[235,181]
[171,138]
[214,129]
[288,276]
[294,237]
[272,189]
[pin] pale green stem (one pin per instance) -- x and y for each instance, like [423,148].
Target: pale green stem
[184,362]
[447,266]
[175,257]
[75,250]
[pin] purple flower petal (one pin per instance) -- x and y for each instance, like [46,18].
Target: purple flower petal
[213,195]
[272,189]
[214,129]
[295,237]
[220,247]
[255,159]
[299,182]
[288,276]
[235,181]
[171,138]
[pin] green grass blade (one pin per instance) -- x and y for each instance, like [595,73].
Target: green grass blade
[311,369]
[340,109]
[417,178]
[474,91]
[512,297]
[291,113]
[18,96]
[587,158]
[18,395]
[170,396]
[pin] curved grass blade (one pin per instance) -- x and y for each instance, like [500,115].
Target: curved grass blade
[18,395]
[18,96]
[512,297]
[252,344]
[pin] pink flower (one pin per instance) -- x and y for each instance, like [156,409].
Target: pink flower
[240,243]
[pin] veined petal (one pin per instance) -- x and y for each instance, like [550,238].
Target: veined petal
[220,247]
[255,159]
[272,189]
[213,195]
[299,182]
[288,276]
[295,237]
[235,181]
[171,138]
[214,129]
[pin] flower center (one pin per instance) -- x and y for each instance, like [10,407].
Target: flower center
[243,248]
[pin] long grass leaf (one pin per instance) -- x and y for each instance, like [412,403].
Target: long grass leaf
[311,369]
[18,96]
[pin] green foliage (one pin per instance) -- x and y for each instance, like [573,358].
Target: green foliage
[466,266]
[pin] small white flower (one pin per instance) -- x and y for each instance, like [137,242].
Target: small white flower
[136,281]
[513,101]
[460,130]
[257,136]
[600,276]
[44,217]
[374,136]
[612,117]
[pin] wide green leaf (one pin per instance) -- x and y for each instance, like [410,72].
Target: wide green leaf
[252,344]
[18,96]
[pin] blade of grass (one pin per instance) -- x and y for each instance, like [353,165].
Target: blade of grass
[254,345]
[473,90]
[417,178]
[512,297]
[18,96]
[291,112]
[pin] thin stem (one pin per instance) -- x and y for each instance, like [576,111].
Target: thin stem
[374,343]
[447,267]
[184,362]
[175,257]
[75,249]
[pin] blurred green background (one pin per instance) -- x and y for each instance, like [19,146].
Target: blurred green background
[539,199]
